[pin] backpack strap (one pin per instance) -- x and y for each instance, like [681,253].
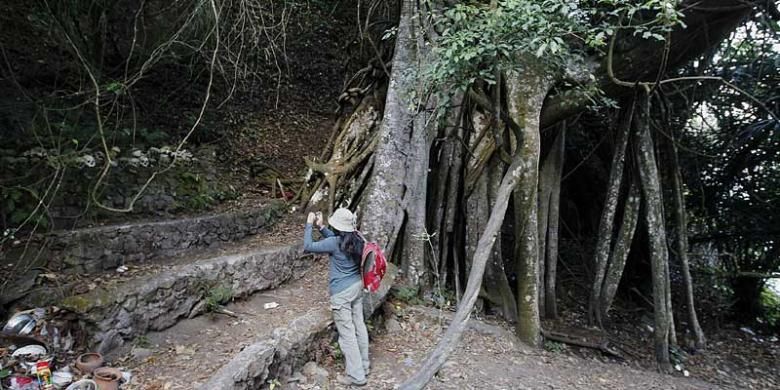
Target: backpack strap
[360,234]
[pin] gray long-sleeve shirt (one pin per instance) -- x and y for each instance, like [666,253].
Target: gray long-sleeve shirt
[343,271]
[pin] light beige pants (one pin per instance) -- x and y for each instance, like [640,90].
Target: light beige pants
[347,309]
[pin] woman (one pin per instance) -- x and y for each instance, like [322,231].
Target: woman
[345,247]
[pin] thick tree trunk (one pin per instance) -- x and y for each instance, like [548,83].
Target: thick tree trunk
[417,164]
[396,193]
[525,101]
[606,224]
[681,241]
[617,261]
[651,189]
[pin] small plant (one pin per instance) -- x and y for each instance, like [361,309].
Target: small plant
[200,201]
[218,296]
[142,342]
[274,383]
[335,350]
[770,304]
[677,355]
[406,294]
[552,346]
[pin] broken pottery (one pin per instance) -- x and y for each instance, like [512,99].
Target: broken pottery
[88,362]
[107,378]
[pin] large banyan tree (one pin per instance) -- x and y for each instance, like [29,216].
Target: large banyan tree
[451,146]
[456,141]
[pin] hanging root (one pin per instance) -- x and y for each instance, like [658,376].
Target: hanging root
[350,148]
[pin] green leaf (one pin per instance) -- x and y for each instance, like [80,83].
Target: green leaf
[115,87]
[16,195]
[18,216]
[540,50]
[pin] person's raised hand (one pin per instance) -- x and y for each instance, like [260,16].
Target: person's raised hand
[310,219]
[319,220]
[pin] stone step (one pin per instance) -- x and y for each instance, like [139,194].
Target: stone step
[125,309]
[201,345]
[277,354]
[106,247]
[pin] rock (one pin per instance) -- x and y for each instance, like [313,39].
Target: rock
[389,309]
[449,370]
[141,353]
[393,326]
[108,341]
[747,331]
[18,288]
[298,377]
[315,372]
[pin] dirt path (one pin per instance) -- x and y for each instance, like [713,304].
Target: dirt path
[488,358]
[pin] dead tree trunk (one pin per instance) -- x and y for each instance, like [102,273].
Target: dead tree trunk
[606,224]
[651,189]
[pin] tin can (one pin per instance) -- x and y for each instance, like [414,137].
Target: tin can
[43,373]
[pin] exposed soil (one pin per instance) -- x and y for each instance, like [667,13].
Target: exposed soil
[735,357]
[489,357]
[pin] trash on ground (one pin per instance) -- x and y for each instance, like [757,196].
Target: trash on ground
[271,305]
[37,353]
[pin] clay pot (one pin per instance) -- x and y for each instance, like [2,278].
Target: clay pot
[84,384]
[88,362]
[107,378]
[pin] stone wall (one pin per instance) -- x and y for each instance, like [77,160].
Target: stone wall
[127,310]
[106,247]
[289,347]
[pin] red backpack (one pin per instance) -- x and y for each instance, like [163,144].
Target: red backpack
[373,265]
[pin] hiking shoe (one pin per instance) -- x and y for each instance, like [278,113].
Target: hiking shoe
[347,381]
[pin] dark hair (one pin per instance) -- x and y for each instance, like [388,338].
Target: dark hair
[352,245]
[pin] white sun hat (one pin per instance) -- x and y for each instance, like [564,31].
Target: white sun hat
[343,220]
